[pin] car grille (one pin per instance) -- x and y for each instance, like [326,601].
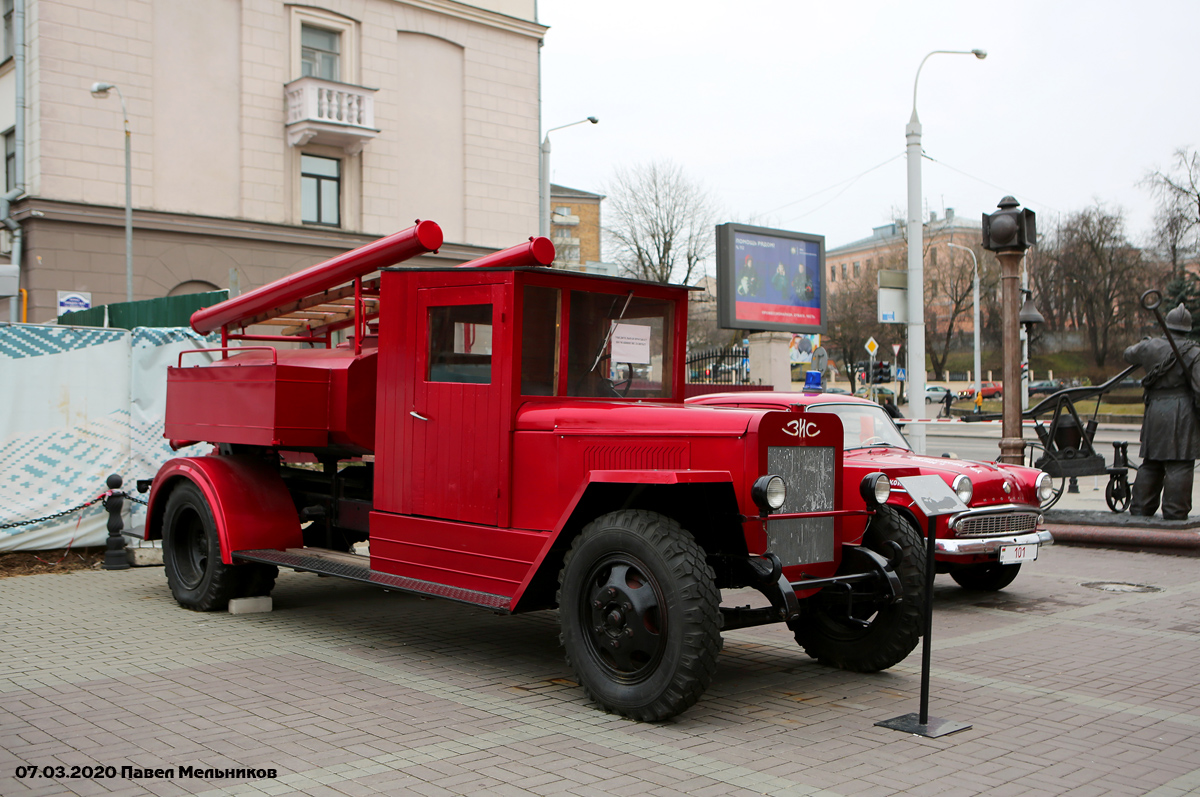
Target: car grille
[996,525]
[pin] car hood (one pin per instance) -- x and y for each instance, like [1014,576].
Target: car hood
[987,478]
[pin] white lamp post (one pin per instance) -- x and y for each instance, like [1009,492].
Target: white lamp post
[100,91]
[978,356]
[916,272]
[544,221]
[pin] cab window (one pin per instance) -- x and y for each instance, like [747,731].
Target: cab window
[460,344]
[619,346]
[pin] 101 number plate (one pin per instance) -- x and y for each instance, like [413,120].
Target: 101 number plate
[1015,554]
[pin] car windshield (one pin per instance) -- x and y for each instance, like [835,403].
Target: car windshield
[865,426]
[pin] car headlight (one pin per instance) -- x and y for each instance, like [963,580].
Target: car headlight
[1045,487]
[875,488]
[963,488]
[769,492]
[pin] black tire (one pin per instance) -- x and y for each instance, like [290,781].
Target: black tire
[198,578]
[985,577]
[893,630]
[639,615]
[1117,494]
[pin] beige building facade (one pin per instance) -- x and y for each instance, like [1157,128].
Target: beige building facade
[266,136]
[575,229]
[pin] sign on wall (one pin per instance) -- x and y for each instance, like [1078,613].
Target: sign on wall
[770,279]
[73,301]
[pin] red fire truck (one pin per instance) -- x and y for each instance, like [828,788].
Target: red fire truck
[514,437]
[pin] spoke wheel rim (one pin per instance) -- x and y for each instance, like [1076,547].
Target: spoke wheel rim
[623,616]
[191,548]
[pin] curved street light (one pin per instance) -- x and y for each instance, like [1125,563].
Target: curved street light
[544,216]
[100,91]
[916,272]
[978,355]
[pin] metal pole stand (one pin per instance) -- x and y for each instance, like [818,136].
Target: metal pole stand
[115,557]
[921,723]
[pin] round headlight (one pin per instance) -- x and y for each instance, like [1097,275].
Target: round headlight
[875,488]
[769,493]
[1045,487]
[963,488]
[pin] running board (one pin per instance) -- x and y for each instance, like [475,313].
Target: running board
[334,563]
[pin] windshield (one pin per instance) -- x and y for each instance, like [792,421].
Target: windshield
[865,426]
[619,345]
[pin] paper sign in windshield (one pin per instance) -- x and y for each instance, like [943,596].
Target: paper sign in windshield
[631,344]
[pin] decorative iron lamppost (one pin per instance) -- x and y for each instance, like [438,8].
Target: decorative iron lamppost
[1009,232]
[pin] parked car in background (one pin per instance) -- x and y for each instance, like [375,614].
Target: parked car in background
[982,548]
[935,394]
[879,392]
[1046,386]
[988,389]
[840,390]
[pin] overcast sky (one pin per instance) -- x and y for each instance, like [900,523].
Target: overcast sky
[767,103]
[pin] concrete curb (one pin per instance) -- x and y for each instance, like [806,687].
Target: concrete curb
[1140,537]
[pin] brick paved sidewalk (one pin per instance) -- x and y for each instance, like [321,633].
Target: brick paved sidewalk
[344,689]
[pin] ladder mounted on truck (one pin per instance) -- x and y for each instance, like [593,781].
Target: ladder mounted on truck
[312,304]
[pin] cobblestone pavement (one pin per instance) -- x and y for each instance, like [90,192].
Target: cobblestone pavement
[347,690]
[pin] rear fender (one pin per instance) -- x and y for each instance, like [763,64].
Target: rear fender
[249,502]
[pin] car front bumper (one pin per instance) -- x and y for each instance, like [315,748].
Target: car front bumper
[974,546]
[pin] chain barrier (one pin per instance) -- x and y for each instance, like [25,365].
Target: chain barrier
[98,499]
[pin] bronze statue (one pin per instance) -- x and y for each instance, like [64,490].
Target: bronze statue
[1171,428]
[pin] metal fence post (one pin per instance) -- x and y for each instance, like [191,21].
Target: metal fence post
[115,557]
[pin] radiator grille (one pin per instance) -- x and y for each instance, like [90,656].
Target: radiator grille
[809,475]
[996,525]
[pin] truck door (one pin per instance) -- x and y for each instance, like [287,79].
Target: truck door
[458,458]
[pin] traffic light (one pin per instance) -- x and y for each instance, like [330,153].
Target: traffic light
[884,373]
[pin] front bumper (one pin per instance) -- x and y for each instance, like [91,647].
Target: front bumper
[972,546]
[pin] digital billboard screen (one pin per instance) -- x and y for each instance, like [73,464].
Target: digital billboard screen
[770,279]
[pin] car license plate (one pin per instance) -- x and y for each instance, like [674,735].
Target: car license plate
[1013,554]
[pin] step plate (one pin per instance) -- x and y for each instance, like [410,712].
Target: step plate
[315,564]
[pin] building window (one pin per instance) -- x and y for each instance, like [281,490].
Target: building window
[933,257]
[833,273]
[869,262]
[843,271]
[8,31]
[319,52]
[320,190]
[10,160]
[856,268]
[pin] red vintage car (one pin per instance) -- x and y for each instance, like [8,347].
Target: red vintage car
[988,389]
[982,548]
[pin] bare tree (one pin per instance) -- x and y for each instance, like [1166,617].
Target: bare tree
[951,284]
[1177,220]
[662,224]
[1104,275]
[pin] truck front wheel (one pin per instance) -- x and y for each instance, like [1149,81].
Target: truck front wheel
[639,615]
[198,579]
[871,637]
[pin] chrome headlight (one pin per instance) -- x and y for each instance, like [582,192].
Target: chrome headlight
[875,488]
[1044,486]
[963,488]
[769,492]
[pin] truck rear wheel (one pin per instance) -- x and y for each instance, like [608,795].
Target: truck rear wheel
[198,579]
[639,615]
[871,637]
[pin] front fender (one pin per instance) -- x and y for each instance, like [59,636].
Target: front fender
[250,504]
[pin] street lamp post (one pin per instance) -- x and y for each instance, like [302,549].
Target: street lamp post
[916,272]
[544,216]
[100,91]
[978,355]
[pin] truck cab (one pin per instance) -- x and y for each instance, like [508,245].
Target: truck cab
[514,437]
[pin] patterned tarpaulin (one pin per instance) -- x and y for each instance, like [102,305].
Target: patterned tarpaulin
[77,404]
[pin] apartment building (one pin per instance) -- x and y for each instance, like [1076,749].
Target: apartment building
[575,230]
[887,247]
[264,136]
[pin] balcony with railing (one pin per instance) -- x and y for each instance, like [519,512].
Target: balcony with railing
[326,112]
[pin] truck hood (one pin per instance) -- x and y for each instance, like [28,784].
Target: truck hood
[603,417]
